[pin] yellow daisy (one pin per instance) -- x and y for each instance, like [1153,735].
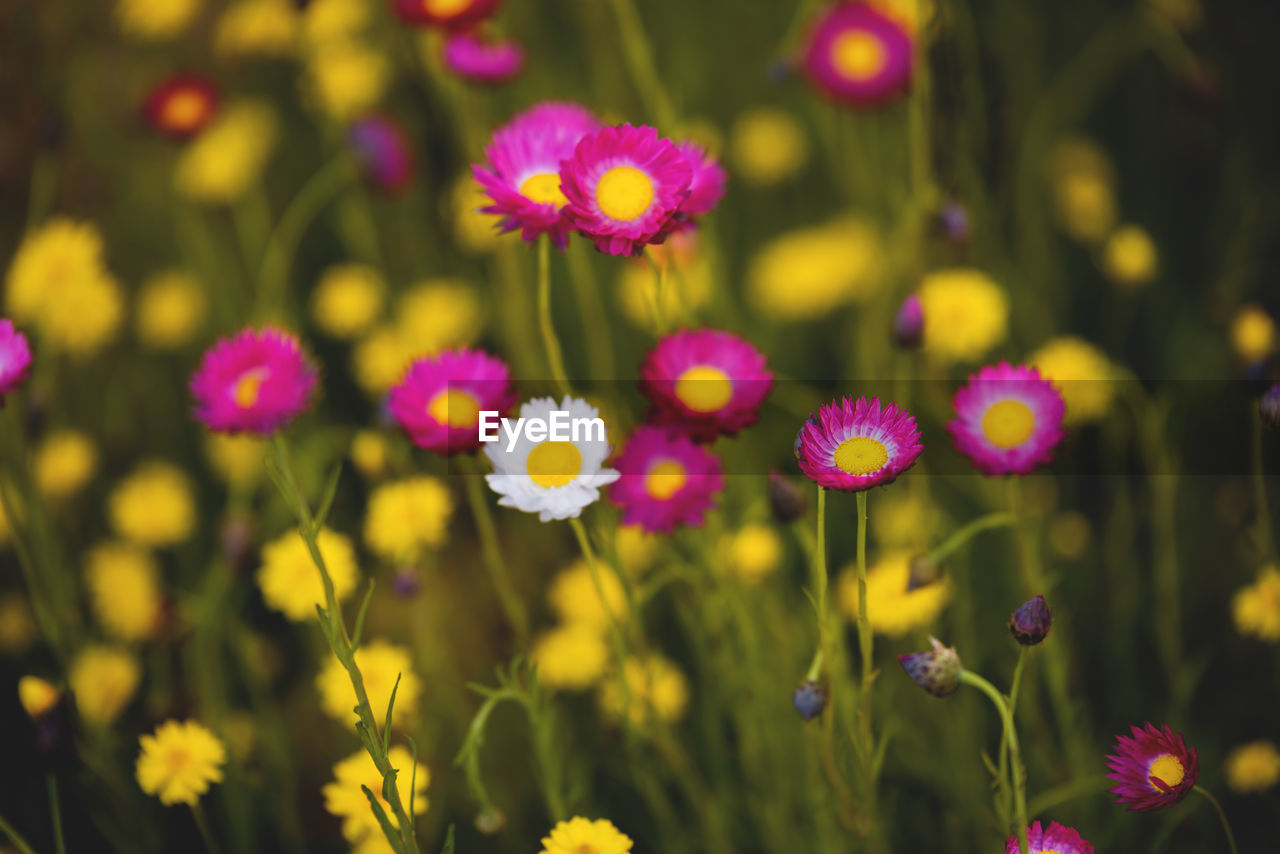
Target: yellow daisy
[965,314]
[380,663]
[291,582]
[345,797]
[64,462]
[407,516]
[583,836]
[893,610]
[153,506]
[179,762]
[124,590]
[571,657]
[103,680]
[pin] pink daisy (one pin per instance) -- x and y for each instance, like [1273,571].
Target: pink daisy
[705,382]
[450,14]
[852,446]
[255,382]
[382,147]
[1008,420]
[624,185]
[182,105]
[482,60]
[439,400]
[858,55]
[1057,839]
[706,186]
[15,358]
[522,174]
[1154,769]
[666,480]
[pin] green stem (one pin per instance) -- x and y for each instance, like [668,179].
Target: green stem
[555,359]
[638,53]
[202,823]
[1013,705]
[15,837]
[864,631]
[962,536]
[1015,754]
[1078,788]
[615,631]
[595,320]
[491,551]
[1222,817]
[55,812]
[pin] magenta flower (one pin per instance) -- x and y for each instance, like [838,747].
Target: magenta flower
[858,55]
[1154,769]
[1057,839]
[706,187]
[382,147]
[852,446]
[181,105]
[439,400]
[522,175]
[15,358]
[481,60]
[1008,420]
[666,480]
[625,185]
[705,382]
[255,382]
[448,14]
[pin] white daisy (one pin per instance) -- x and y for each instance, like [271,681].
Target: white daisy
[555,479]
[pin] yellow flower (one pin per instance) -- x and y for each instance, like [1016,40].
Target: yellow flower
[893,610]
[103,680]
[229,155]
[1256,608]
[1253,334]
[570,658]
[347,300]
[179,762]
[64,462]
[1081,373]
[1253,767]
[902,518]
[1129,257]
[347,78]
[36,696]
[438,313]
[86,317]
[124,590]
[170,311]
[153,506]
[237,459]
[380,663]
[380,359]
[767,146]
[407,516]
[965,314]
[637,549]
[257,28]
[17,624]
[345,797]
[753,553]
[574,598]
[579,835]
[686,290]
[330,20]
[290,581]
[475,232]
[657,688]
[1083,182]
[1069,534]
[369,452]
[807,273]
[155,20]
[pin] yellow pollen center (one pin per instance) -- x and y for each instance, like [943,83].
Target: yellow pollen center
[703,388]
[552,464]
[445,8]
[861,455]
[183,110]
[454,408]
[586,848]
[1166,769]
[664,480]
[248,387]
[1008,423]
[624,193]
[858,55]
[177,760]
[544,188]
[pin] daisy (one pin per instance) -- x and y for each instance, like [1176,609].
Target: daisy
[706,186]
[1154,769]
[451,14]
[255,382]
[181,105]
[666,480]
[1008,419]
[522,172]
[439,400]
[624,185]
[852,446]
[179,762]
[382,147]
[584,836]
[706,382]
[15,358]
[858,55]
[554,479]
[481,60]
[1055,839]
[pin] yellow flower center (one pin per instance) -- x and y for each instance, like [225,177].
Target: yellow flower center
[454,408]
[586,848]
[858,55]
[861,455]
[544,188]
[552,464]
[624,193]
[703,388]
[445,8]
[248,387]
[176,760]
[665,480]
[184,109]
[1008,423]
[1165,773]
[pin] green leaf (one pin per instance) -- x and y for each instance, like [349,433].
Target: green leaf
[364,609]
[448,841]
[386,728]
[326,497]
[388,829]
[282,484]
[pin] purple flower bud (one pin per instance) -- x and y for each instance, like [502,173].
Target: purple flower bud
[810,698]
[785,498]
[1030,624]
[908,326]
[936,671]
[236,537]
[1269,408]
[954,219]
[407,583]
[382,148]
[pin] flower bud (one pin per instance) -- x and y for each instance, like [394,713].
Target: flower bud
[810,698]
[954,220]
[923,571]
[51,711]
[786,500]
[1030,624]
[908,325]
[490,821]
[384,152]
[1269,408]
[936,671]
[407,583]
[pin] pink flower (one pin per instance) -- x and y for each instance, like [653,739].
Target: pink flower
[522,174]
[1008,420]
[1056,839]
[1154,769]
[439,400]
[182,105]
[706,187]
[481,60]
[624,185]
[382,148]
[705,382]
[666,480]
[255,382]
[449,14]
[852,446]
[858,55]
[15,358]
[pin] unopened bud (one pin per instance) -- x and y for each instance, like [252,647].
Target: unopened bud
[923,571]
[1269,408]
[936,671]
[1030,624]
[786,499]
[908,325]
[810,698]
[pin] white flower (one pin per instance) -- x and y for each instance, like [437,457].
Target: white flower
[555,479]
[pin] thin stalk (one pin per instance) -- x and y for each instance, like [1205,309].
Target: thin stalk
[864,632]
[15,837]
[55,812]
[202,823]
[1015,754]
[595,320]
[555,359]
[638,53]
[1222,817]
[615,631]
[491,551]
[962,536]
[1013,704]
